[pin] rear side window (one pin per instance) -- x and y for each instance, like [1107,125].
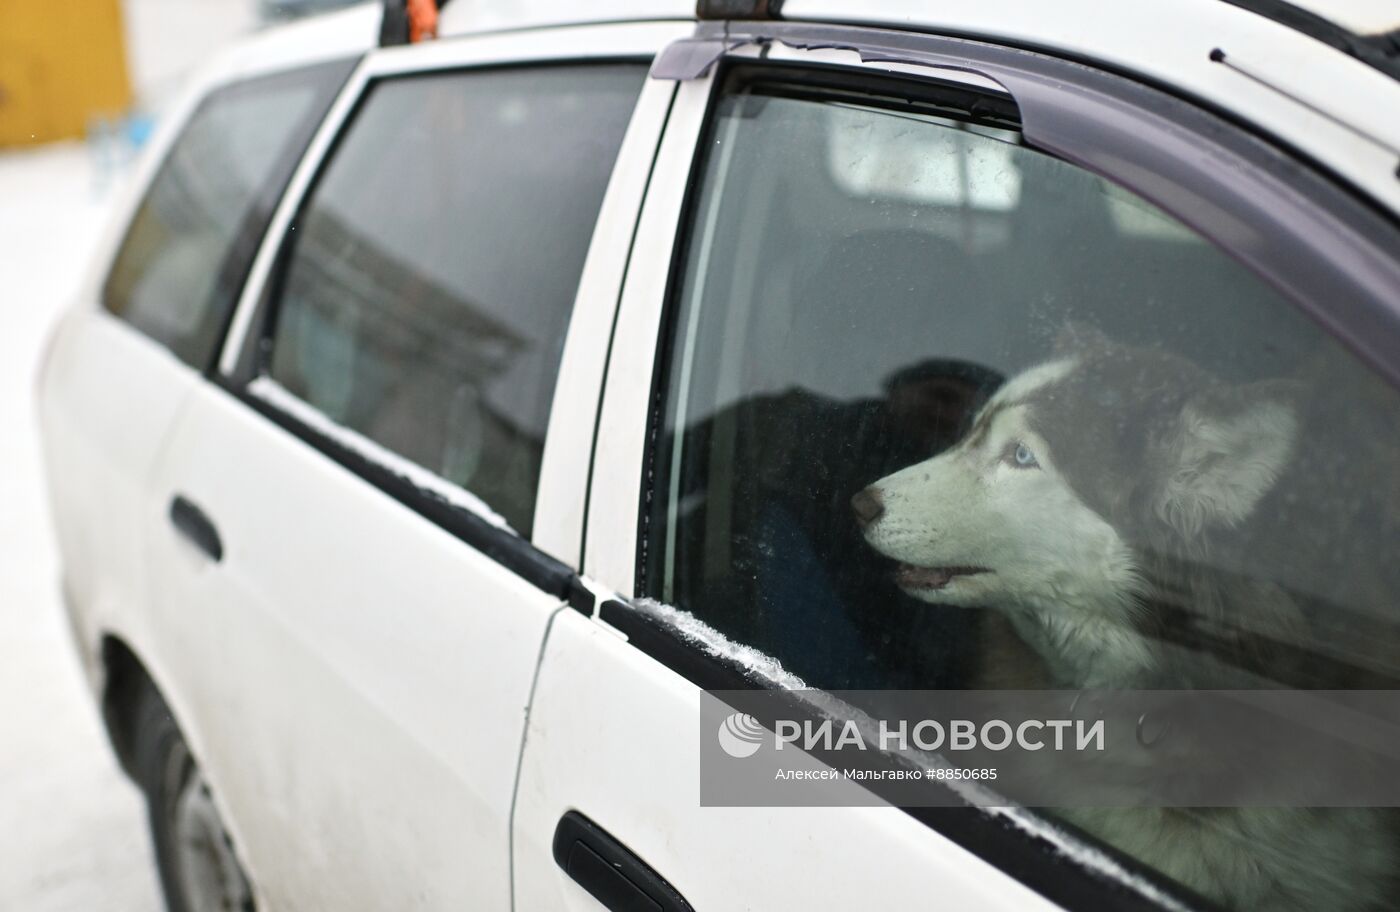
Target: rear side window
[944,412]
[184,259]
[432,272]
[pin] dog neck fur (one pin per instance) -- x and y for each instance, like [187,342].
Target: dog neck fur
[1097,643]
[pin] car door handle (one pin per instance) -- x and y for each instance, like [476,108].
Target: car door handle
[192,522]
[610,871]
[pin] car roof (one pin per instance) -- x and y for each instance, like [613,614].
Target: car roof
[1370,26]
[1363,17]
[1359,17]
[1303,78]
[461,17]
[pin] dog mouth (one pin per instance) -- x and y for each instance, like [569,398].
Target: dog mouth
[909,576]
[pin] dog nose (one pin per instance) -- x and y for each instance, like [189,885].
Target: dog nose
[868,506]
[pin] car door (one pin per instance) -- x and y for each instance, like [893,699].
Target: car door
[356,562]
[856,260]
[147,325]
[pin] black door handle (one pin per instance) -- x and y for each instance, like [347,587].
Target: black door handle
[609,870]
[191,522]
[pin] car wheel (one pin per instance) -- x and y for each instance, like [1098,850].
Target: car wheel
[199,871]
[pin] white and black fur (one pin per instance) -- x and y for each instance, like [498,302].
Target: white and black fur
[1099,498]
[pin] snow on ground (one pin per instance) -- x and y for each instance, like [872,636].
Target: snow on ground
[72,829]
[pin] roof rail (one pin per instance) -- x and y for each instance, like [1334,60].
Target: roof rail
[1380,51]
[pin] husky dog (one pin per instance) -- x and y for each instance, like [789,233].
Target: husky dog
[1097,500]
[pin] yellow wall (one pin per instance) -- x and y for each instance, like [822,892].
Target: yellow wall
[62,62]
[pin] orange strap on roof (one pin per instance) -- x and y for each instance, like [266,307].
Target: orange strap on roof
[422,20]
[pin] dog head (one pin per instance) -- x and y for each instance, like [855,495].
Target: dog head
[1070,471]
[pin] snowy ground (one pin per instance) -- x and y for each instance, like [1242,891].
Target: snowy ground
[72,829]
[73,835]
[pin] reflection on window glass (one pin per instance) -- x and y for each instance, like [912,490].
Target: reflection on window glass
[945,412]
[434,268]
[233,156]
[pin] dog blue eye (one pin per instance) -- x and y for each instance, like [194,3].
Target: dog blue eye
[1021,456]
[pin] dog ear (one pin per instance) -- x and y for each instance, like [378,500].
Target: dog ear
[1224,452]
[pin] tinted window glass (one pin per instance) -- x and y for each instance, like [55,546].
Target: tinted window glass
[942,411]
[434,268]
[193,238]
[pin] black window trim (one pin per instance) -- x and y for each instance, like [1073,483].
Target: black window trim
[1033,858]
[515,552]
[330,78]
[1051,118]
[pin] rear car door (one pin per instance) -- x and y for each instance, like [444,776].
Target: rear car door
[127,357]
[353,578]
[854,262]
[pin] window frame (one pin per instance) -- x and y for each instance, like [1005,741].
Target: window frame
[1090,125]
[548,561]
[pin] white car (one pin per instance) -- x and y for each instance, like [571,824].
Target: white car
[273,10]
[437,420]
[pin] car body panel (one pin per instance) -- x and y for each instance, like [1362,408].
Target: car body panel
[1364,17]
[641,781]
[563,491]
[415,651]
[107,402]
[463,18]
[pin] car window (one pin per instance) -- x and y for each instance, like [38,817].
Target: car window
[187,252]
[940,411]
[433,270]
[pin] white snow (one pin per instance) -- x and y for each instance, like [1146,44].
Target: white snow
[74,833]
[693,630]
[1085,855]
[279,397]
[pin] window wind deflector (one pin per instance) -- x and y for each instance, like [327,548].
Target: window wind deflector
[692,58]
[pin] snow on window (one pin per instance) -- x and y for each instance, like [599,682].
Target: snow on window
[276,395]
[695,631]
